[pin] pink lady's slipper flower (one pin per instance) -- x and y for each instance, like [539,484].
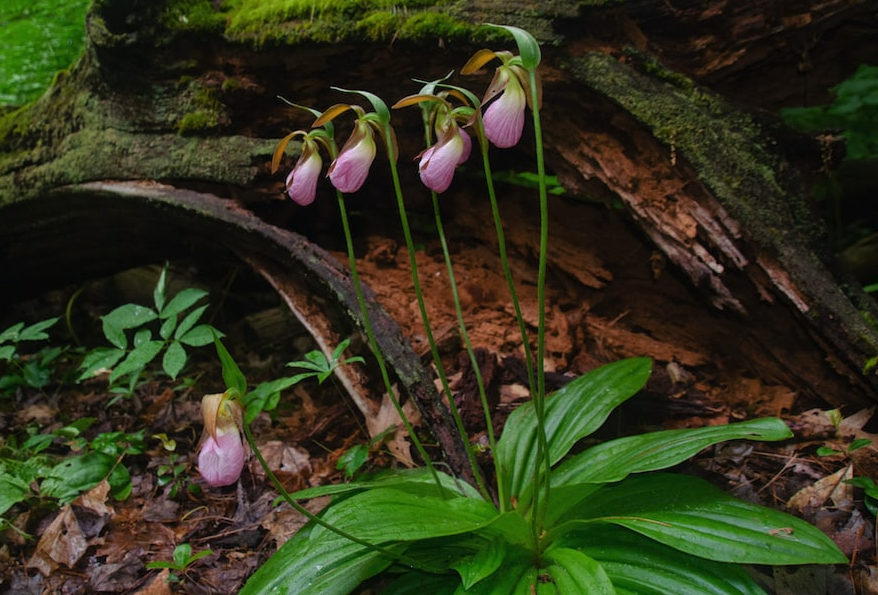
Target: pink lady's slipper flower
[504,117]
[302,181]
[349,170]
[438,162]
[222,455]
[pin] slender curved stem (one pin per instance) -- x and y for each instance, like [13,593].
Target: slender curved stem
[373,344]
[472,357]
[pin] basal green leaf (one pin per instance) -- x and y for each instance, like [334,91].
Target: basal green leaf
[614,460]
[385,515]
[182,301]
[573,572]
[174,359]
[305,565]
[416,481]
[695,517]
[482,563]
[573,412]
[638,566]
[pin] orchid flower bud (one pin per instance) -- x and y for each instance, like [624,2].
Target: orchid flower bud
[349,170]
[302,181]
[222,455]
[504,117]
[438,162]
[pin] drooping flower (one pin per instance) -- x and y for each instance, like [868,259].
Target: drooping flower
[349,170]
[504,117]
[439,161]
[302,180]
[222,455]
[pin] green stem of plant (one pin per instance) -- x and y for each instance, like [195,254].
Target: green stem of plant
[248,434]
[373,344]
[504,261]
[501,499]
[543,463]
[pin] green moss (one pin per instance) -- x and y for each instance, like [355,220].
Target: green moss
[432,25]
[380,26]
[197,122]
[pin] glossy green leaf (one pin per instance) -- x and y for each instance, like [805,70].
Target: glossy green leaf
[638,566]
[36,331]
[614,460]
[174,359]
[232,375]
[158,292]
[573,572]
[137,359]
[77,474]
[416,481]
[182,301]
[573,412]
[198,336]
[310,565]
[695,517]
[385,515]
[125,317]
[189,321]
[102,358]
[12,490]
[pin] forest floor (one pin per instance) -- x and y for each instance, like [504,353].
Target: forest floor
[609,297]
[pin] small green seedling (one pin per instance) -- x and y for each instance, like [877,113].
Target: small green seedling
[27,370]
[183,559]
[177,323]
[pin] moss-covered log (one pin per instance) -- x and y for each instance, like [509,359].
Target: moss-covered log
[645,103]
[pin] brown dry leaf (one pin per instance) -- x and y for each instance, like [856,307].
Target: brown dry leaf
[281,456]
[61,543]
[388,417]
[832,487]
[157,586]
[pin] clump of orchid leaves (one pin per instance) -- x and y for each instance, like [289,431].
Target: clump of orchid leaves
[553,517]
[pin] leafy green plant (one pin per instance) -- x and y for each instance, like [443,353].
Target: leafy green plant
[610,523]
[854,110]
[31,370]
[29,475]
[266,395]
[556,515]
[183,559]
[178,327]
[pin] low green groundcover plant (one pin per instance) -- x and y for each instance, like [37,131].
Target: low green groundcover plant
[599,520]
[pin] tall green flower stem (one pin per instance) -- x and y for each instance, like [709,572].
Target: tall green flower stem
[543,463]
[501,497]
[373,344]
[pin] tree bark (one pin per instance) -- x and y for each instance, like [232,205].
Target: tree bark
[652,103]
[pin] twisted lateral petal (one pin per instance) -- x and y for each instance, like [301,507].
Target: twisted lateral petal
[438,162]
[349,170]
[302,181]
[221,460]
[504,117]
